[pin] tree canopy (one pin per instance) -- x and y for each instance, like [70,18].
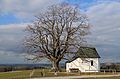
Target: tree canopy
[55,32]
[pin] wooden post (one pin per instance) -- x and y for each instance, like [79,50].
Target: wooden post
[115,71]
[31,74]
[104,71]
[55,73]
[43,72]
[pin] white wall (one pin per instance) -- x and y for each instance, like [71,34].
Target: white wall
[84,65]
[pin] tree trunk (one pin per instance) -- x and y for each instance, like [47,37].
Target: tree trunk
[55,66]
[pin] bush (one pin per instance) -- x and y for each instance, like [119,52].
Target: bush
[111,67]
[5,68]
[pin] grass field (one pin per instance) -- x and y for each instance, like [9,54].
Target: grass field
[14,75]
[42,73]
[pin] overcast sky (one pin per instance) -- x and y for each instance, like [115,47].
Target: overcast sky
[15,15]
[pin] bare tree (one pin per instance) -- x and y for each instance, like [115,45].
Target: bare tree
[55,32]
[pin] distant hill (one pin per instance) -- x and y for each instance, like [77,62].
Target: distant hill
[32,65]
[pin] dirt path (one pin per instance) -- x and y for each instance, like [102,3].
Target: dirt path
[83,76]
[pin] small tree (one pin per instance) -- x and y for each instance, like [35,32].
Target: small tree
[55,32]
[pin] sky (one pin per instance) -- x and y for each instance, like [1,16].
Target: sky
[15,15]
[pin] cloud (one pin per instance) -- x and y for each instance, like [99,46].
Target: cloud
[105,20]
[13,26]
[25,8]
[9,57]
[11,43]
[105,17]
[11,37]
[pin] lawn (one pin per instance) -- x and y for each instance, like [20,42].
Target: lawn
[15,75]
[26,74]
[43,73]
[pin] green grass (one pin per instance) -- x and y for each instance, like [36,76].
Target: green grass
[15,75]
[43,73]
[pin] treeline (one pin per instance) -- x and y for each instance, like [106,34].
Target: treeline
[15,68]
[110,67]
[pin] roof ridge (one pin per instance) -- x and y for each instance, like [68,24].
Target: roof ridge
[88,52]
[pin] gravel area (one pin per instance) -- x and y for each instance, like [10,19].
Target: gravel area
[83,76]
